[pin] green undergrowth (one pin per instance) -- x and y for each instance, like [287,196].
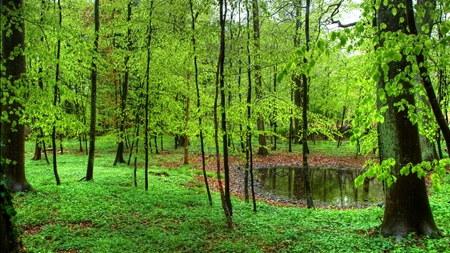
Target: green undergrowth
[110,214]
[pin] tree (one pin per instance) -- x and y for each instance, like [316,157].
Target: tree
[7,236]
[90,167]
[194,17]
[13,87]
[309,199]
[224,194]
[124,90]
[407,208]
[258,81]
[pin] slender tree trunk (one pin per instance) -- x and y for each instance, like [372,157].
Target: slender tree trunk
[90,167]
[249,153]
[13,136]
[124,94]
[426,79]
[225,134]
[147,84]
[341,128]
[186,137]
[55,98]
[296,77]
[407,208]
[219,81]
[258,82]
[275,125]
[309,199]
[202,147]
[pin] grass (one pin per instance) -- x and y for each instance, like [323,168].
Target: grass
[111,215]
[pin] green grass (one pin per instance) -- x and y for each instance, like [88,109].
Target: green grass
[111,215]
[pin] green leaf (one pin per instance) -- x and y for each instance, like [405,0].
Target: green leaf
[376,76]
[405,170]
[333,35]
[359,28]
[394,11]
[414,118]
[397,56]
[379,118]
[382,96]
[445,27]
[417,49]
[359,180]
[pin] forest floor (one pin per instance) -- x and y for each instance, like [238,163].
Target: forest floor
[110,214]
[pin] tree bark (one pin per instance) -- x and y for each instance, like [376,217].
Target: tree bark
[13,136]
[309,200]
[407,208]
[258,82]
[7,236]
[124,94]
[426,79]
[90,167]
[55,98]
[226,204]
[202,146]
[147,85]
[249,151]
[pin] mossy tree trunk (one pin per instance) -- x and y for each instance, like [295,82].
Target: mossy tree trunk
[407,208]
[13,136]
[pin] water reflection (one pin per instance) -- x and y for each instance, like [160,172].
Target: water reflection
[331,186]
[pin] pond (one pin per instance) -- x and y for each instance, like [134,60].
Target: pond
[329,186]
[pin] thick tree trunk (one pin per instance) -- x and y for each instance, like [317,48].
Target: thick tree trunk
[13,137]
[7,240]
[407,208]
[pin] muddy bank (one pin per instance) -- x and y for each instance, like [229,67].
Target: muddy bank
[237,173]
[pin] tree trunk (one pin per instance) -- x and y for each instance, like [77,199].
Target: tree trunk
[186,137]
[124,94]
[249,151]
[226,204]
[37,150]
[426,79]
[202,147]
[258,82]
[147,85]
[7,237]
[13,136]
[309,200]
[90,167]
[407,208]
[55,99]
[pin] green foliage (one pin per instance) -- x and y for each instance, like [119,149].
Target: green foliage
[381,171]
[436,167]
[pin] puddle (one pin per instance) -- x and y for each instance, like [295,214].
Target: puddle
[329,186]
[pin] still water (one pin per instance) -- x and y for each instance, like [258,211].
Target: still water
[329,186]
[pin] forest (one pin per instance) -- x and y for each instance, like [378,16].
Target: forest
[152,125]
